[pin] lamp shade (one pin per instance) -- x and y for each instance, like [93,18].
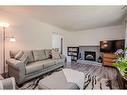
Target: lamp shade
[12,39]
[4,24]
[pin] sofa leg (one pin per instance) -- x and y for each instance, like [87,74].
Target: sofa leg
[20,85]
[64,66]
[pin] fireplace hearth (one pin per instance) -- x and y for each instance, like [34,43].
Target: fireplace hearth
[90,55]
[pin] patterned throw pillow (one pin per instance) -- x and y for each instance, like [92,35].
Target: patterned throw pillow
[24,59]
[56,49]
[48,53]
[39,55]
[55,54]
[29,53]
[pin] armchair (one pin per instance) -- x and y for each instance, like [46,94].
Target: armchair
[6,84]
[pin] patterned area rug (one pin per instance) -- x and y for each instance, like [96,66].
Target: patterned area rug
[96,77]
[33,84]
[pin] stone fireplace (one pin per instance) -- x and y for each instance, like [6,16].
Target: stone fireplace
[90,55]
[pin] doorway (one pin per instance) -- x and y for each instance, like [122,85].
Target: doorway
[57,42]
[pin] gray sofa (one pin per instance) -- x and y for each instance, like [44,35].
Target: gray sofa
[38,62]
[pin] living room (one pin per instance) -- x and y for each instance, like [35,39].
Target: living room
[37,28]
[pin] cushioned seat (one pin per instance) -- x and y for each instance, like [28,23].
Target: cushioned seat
[48,63]
[56,81]
[39,65]
[34,66]
[57,61]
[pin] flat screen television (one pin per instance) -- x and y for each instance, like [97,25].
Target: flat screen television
[111,46]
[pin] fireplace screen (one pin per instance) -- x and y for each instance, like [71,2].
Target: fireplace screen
[89,55]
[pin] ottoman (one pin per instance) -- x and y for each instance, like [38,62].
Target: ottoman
[56,81]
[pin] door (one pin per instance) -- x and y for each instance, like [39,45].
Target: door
[57,42]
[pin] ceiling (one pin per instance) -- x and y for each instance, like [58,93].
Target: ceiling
[73,18]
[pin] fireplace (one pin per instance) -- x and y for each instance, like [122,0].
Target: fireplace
[90,55]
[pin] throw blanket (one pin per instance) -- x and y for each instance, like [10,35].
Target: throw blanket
[74,76]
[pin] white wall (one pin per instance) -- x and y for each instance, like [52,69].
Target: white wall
[29,33]
[93,36]
[126,38]
[125,22]
[33,34]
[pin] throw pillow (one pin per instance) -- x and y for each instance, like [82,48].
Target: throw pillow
[56,49]
[19,55]
[29,53]
[48,53]
[13,53]
[24,59]
[39,55]
[55,54]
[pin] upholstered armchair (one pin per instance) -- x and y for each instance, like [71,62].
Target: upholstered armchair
[6,84]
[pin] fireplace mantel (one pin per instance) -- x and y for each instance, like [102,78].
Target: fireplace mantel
[89,46]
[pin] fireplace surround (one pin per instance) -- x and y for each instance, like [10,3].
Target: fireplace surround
[91,52]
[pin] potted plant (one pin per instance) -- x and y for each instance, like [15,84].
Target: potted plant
[121,62]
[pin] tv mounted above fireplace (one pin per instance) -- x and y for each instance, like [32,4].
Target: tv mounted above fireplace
[111,46]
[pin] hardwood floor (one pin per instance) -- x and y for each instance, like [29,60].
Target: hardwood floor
[99,71]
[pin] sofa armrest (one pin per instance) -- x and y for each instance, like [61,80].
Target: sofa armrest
[16,64]
[16,69]
[64,58]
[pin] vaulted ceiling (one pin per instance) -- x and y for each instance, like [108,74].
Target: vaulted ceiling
[73,18]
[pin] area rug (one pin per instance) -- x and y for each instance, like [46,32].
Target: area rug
[96,77]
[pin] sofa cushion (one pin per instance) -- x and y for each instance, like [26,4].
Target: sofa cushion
[19,55]
[48,53]
[24,59]
[34,66]
[48,63]
[13,53]
[39,65]
[29,53]
[39,55]
[57,61]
